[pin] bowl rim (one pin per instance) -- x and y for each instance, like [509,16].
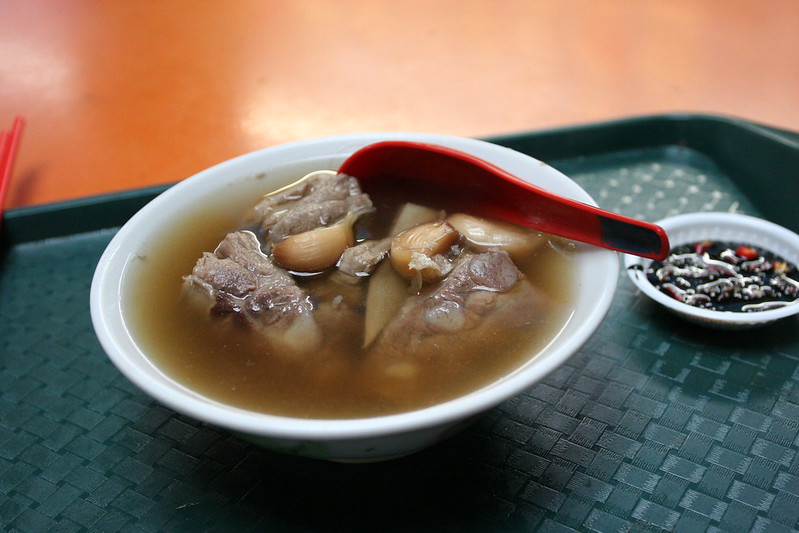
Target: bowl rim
[636,266]
[106,312]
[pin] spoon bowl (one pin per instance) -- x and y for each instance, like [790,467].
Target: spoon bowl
[455,179]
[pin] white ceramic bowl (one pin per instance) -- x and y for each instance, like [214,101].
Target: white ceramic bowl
[341,440]
[695,227]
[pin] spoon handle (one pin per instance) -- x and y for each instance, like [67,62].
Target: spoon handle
[525,204]
[455,181]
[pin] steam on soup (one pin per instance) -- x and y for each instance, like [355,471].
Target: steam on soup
[322,302]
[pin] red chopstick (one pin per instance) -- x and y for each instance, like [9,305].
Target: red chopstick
[9,142]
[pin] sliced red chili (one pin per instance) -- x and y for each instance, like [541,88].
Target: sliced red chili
[747,252]
[703,246]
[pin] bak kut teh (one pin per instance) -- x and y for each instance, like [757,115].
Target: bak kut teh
[319,301]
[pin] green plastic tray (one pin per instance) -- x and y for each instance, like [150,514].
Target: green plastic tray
[654,425]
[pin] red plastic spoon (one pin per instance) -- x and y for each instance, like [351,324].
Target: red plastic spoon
[456,181]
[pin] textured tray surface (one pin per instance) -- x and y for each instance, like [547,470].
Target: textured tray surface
[654,425]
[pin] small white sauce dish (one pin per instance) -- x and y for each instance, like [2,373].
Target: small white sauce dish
[731,227]
[348,440]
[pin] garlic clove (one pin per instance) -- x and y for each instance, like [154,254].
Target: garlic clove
[425,240]
[314,250]
[485,234]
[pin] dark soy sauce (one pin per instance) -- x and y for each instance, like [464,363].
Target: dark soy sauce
[726,276]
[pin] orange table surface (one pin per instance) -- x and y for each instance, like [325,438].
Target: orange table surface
[126,94]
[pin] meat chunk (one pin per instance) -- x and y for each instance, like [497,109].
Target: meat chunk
[361,260]
[484,291]
[320,199]
[238,279]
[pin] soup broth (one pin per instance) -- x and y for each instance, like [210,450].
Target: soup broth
[234,364]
